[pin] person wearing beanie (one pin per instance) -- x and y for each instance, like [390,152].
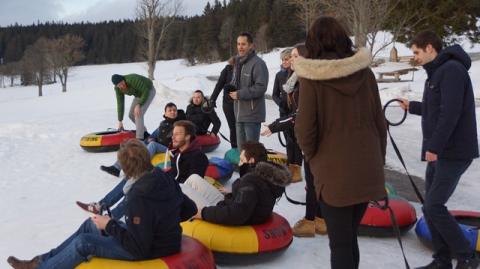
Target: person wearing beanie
[143,91]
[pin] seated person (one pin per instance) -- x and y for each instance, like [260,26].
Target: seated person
[187,159]
[155,206]
[160,138]
[253,195]
[201,115]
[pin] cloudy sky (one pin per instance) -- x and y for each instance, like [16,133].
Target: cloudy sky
[27,11]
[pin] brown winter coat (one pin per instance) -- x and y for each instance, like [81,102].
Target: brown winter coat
[341,128]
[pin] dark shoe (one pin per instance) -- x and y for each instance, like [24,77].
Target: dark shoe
[94,208]
[472,263]
[146,135]
[21,264]
[435,264]
[112,170]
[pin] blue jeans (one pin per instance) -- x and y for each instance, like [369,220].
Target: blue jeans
[247,131]
[81,246]
[113,197]
[152,147]
[441,179]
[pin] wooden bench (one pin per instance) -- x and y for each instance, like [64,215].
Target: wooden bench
[396,75]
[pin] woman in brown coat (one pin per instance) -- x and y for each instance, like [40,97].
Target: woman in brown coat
[341,129]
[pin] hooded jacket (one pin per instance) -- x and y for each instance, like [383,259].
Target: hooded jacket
[253,196]
[190,161]
[341,128]
[449,124]
[203,119]
[163,134]
[154,208]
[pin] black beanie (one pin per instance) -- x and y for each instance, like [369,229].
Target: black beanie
[117,79]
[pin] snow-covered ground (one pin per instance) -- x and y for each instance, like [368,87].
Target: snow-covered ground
[44,170]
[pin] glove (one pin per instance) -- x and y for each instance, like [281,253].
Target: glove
[229,88]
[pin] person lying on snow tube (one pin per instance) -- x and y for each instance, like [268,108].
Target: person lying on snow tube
[187,160]
[202,115]
[154,207]
[253,195]
[160,138]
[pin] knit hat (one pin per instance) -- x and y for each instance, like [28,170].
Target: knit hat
[117,79]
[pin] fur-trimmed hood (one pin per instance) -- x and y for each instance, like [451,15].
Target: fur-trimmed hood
[315,69]
[274,173]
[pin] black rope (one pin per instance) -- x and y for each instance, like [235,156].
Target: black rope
[284,144]
[293,201]
[226,139]
[395,147]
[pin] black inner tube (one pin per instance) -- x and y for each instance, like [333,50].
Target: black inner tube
[405,112]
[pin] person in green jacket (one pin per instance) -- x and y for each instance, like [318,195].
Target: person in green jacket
[143,91]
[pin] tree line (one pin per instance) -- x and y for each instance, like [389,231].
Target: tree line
[212,36]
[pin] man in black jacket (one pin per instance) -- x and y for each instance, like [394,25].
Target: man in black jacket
[449,142]
[254,194]
[155,206]
[202,115]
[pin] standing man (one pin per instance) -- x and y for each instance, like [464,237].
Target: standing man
[249,82]
[449,142]
[143,91]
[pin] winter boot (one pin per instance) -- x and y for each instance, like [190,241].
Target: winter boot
[304,228]
[22,264]
[472,263]
[112,170]
[435,264]
[320,226]
[296,171]
[94,208]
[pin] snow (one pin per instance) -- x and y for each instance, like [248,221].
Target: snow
[44,171]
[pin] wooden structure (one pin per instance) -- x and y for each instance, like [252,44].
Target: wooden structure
[396,75]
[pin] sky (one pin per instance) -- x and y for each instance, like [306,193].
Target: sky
[26,12]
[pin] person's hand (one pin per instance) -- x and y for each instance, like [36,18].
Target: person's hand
[233,95]
[213,134]
[404,104]
[224,190]
[266,132]
[120,126]
[136,111]
[430,157]
[199,214]
[100,221]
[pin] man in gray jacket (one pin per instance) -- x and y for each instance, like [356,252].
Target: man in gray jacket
[248,87]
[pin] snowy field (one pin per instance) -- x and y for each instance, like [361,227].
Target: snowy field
[44,170]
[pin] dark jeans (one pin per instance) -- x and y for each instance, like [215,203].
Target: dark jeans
[312,209]
[230,115]
[294,153]
[441,179]
[86,242]
[342,227]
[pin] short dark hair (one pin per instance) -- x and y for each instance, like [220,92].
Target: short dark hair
[169,105]
[134,158]
[255,150]
[423,39]
[302,49]
[327,35]
[200,92]
[187,125]
[248,36]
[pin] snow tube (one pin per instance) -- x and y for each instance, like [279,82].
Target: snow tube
[377,222]
[105,141]
[192,255]
[219,169]
[469,224]
[242,244]
[208,143]
[233,156]
[390,189]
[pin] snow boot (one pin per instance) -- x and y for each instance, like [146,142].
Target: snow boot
[94,208]
[22,264]
[435,264]
[320,226]
[112,170]
[296,171]
[304,228]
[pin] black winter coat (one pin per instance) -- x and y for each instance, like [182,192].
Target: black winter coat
[253,197]
[202,120]
[154,208]
[224,79]
[189,162]
[279,96]
[449,125]
[163,134]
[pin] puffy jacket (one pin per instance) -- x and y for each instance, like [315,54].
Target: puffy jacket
[163,134]
[203,119]
[449,124]
[154,208]
[253,196]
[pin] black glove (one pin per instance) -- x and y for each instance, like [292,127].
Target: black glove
[229,88]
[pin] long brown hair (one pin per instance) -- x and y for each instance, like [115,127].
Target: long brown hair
[134,158]
[327,36]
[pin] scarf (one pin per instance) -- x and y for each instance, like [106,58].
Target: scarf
[237,69]
[289,86]
[128,185]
